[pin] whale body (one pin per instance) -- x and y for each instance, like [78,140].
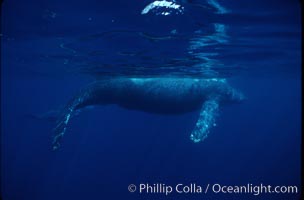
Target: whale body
[162,95]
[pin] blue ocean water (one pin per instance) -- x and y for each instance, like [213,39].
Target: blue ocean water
[51,49]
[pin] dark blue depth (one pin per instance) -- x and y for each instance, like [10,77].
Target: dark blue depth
[51,49]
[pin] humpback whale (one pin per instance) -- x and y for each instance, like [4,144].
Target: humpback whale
[162,95]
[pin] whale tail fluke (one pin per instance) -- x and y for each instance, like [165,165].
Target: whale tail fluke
[206,120]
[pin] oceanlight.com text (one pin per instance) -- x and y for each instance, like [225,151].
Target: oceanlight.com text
[216,188]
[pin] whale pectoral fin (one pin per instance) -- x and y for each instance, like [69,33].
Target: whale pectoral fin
[60,128]
[206,120]
[71,109]
[62,123]
[79,102]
